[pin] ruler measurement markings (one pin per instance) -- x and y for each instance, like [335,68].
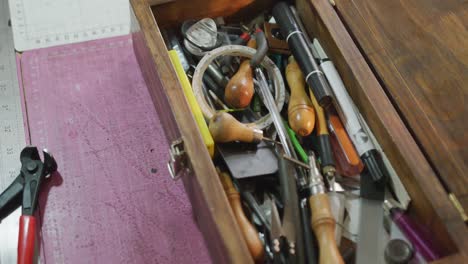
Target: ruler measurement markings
[30,32]
[12,138]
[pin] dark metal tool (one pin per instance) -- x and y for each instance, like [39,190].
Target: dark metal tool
[310,242]
[24,191]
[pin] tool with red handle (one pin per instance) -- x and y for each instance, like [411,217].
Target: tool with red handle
[24,191]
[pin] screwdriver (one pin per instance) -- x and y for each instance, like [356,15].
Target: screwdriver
[326,154]
[348,162]
[240,89]
[301,114]
[225,128]
[248,230]
[348,112]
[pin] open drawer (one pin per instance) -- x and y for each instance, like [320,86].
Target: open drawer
[430,203]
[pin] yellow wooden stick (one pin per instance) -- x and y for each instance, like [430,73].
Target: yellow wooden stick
[196,111]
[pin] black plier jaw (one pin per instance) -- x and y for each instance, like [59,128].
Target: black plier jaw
[24,190]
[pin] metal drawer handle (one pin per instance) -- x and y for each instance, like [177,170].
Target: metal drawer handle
[178,162]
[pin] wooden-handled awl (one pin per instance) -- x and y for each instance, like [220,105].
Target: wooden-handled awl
[301,114]
[323,138]
[248,230]
[225,128]
[323,223]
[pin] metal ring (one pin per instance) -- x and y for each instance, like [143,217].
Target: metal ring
[237,50]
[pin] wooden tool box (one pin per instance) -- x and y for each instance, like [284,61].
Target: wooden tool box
[191,161]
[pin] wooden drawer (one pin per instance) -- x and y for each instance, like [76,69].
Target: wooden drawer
[430,202]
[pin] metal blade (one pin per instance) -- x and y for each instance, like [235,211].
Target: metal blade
[49,162]
[276,229]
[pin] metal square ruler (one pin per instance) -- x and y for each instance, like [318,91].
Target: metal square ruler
[12,136]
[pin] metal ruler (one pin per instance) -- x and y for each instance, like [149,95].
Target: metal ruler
[12,136]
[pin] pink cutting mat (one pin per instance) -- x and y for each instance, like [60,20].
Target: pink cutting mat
[113,201]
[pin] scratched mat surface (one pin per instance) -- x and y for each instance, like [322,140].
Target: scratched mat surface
[113,201]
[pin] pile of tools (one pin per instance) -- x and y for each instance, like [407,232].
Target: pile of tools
[287,140]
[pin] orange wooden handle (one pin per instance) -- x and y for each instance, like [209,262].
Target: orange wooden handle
[252,43]
[225,128]
[240,89]
[301,114]
[323,224]
[248,230]
[322,121]
[344,140]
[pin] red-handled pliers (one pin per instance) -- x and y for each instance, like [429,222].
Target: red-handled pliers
[24,191]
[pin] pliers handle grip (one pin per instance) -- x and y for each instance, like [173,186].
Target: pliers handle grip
[26,239]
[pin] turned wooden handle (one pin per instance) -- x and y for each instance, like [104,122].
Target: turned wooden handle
[301,114]
[323,224]
[248,230]
[322,128]
[240,89]
[225,128]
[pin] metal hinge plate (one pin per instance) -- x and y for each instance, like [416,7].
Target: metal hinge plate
[178,163]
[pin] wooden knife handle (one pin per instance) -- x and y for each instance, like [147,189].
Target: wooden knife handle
[323,224]
[248,230]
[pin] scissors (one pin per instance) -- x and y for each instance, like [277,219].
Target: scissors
[283,244]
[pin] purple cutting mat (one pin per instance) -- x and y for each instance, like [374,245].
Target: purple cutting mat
[113,201]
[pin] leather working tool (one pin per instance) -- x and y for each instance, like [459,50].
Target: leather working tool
[281,240]
[287,174]
[248,230]
[225,128]
[301,114]
[325,150]
[322,222]
[240,89]
[297,146]
[24,191]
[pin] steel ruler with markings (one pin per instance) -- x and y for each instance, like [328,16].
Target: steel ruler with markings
[12,135]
